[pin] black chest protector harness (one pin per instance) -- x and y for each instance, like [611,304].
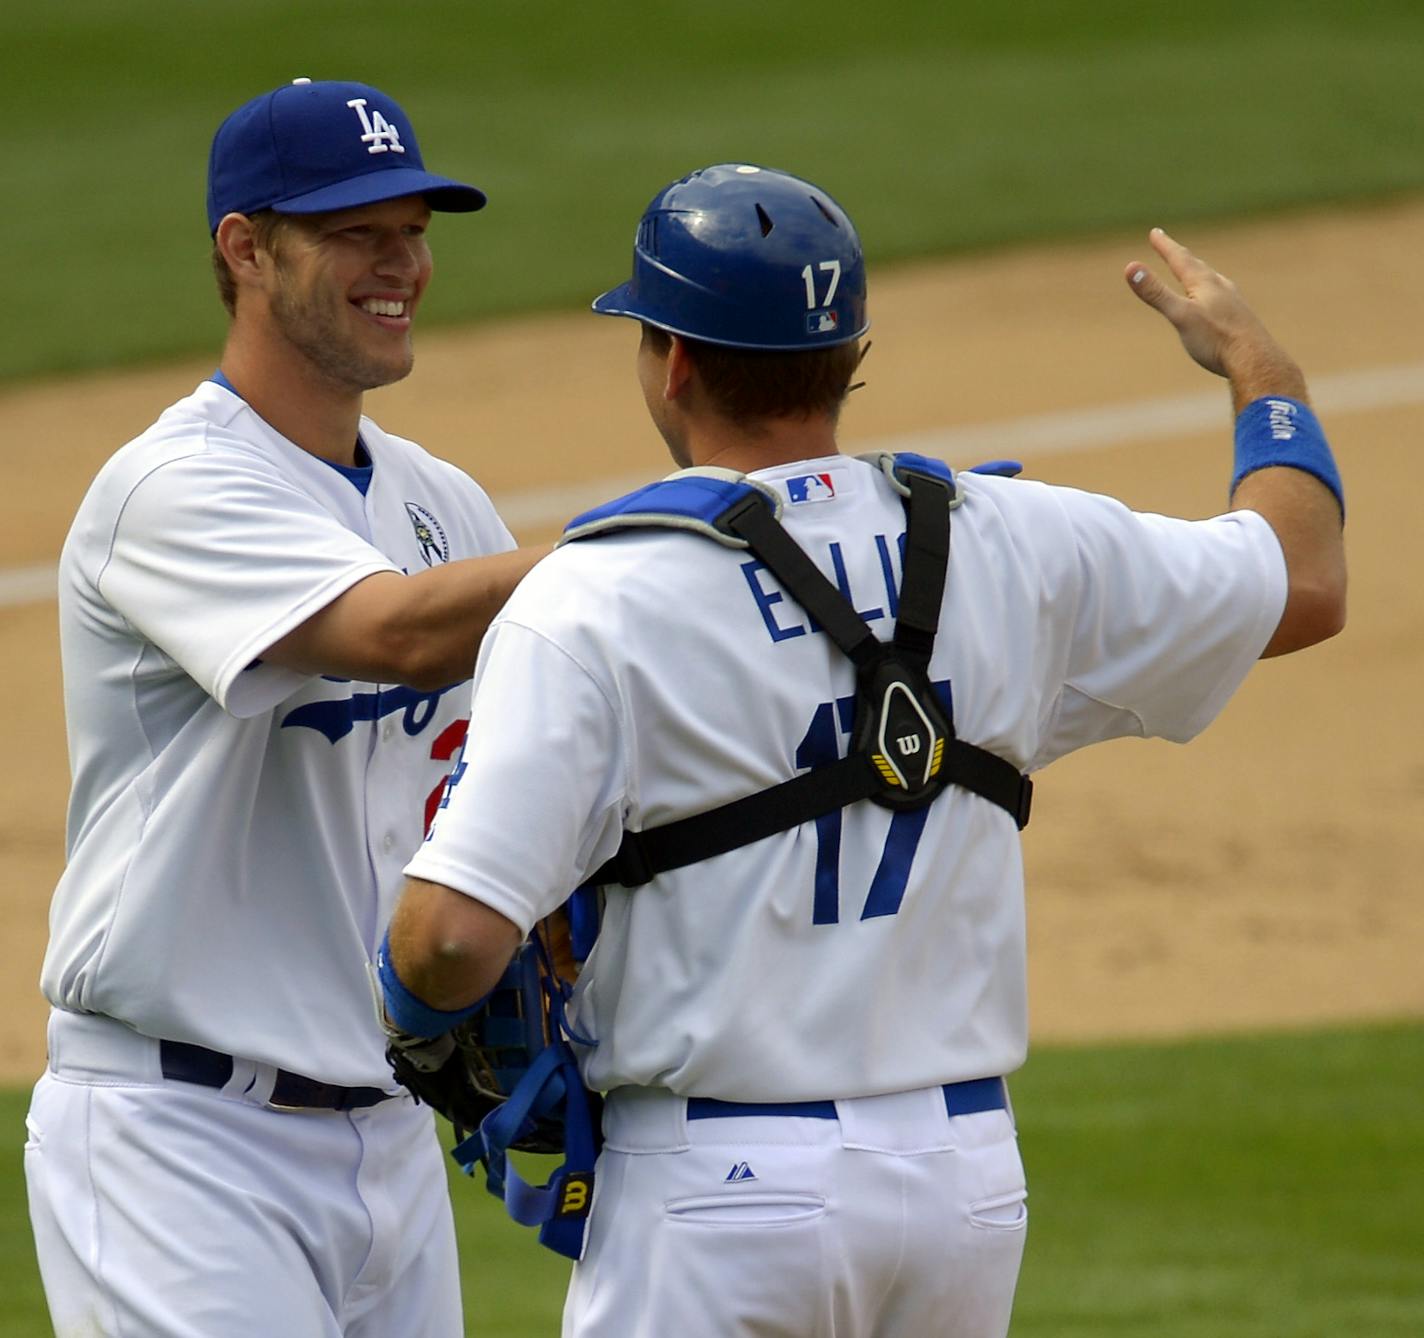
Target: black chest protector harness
[903,749]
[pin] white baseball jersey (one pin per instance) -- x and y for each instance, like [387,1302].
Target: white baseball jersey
[642,677]
[236,830]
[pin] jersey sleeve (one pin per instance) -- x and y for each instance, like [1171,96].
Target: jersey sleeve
[1167,617]
[213,560]
[537,800]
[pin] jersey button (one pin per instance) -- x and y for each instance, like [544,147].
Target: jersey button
[388,841]
[387,731]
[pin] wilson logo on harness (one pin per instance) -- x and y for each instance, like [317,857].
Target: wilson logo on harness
[904,737]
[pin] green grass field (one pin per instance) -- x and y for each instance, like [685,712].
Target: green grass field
[1261,1187]
[941,127]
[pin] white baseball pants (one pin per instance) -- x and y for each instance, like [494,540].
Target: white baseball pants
[892,1220]
[167,1210]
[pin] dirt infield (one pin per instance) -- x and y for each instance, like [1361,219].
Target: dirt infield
[1270,874]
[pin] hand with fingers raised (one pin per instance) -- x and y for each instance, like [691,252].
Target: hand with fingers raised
[1216,326]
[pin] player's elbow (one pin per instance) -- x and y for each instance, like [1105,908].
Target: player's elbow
[422,663]
[449,948]
[454,954]
[475,953]
[414,650]
[1314,612]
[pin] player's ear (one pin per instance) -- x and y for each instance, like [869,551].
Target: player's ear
[237,242]
[679,370]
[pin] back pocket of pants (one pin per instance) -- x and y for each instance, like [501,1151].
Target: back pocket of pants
[1002,1212]
[744,1210]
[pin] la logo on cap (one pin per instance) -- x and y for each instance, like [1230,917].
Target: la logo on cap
[381,136]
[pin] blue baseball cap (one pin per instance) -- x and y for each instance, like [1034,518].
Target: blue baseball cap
[306,148]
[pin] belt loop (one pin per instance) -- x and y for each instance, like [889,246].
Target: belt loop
[54,1044]
[250,1082]
[901,1123]
[645,1119]
[89,1047]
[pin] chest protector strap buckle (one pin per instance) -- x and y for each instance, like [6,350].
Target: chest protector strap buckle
[903,746]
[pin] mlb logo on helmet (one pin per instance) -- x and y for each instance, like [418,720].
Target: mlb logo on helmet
[822,322]
[810,488]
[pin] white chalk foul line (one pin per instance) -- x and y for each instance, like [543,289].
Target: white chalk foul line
[1153,419]
[1040,434]
[28,585]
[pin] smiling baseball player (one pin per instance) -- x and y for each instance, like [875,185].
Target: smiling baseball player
[265,602]
[803,1006]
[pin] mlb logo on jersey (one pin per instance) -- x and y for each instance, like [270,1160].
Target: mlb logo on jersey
[810,488]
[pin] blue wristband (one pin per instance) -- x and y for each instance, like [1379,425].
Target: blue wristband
[414,1016]
[1277,432]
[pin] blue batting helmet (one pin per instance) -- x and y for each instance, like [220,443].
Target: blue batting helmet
[748,257]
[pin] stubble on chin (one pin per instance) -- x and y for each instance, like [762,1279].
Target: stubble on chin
[320,336]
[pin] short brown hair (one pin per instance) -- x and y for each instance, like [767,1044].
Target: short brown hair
[267,226]
[748,384]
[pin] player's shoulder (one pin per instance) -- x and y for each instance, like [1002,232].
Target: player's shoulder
[1032,513]
[625,551]
[193,434]
[1003,490]
[598,573]
[592,591]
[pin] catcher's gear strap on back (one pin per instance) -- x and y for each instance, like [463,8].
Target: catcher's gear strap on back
[898,713]
[691,499]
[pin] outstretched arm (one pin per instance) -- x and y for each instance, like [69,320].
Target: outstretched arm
[422,630]
[1224,335]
